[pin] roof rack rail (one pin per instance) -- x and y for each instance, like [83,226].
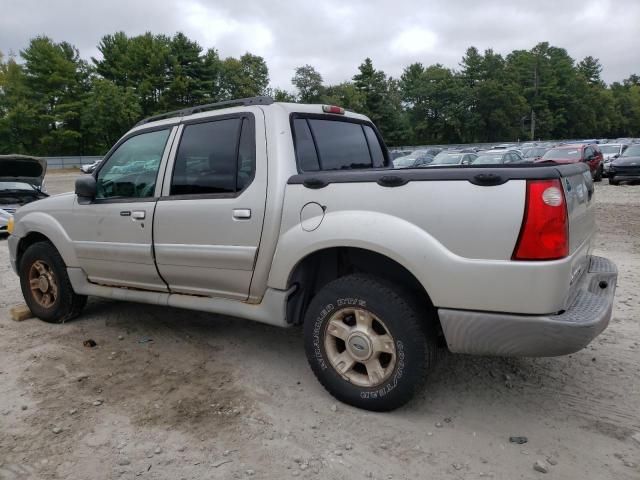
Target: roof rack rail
[209,106]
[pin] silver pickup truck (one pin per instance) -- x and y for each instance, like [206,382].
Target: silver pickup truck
[292,215]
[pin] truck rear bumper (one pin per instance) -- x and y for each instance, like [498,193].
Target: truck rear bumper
[503,334]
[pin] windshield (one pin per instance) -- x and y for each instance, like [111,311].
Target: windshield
[609,149]
[534,152]
[447,159]
[632,151]
[418,154]
[404,161]
[15,186]
[562,154]
[488,159]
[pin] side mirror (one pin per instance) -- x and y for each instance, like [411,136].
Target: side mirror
[616,155]
[86,187]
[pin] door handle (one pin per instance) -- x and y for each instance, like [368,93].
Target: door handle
[138,215]
[242,213]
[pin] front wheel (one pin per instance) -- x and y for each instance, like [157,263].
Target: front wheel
[598,176]
[367,343]
[46,286]
[613,181]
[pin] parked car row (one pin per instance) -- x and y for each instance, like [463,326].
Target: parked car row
[603,157]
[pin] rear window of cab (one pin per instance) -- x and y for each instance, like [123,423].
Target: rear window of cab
[326,143]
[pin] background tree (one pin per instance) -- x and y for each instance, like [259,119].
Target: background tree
[52,84]
[244,77]
[19,132]
[381,101]
[54,103]
[108,112]
[308,81]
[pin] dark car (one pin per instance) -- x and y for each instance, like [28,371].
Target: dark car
[626,166]
[610,152]
[417,158]
[576,153]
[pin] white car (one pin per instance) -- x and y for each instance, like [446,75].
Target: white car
[90,167]
[4,220]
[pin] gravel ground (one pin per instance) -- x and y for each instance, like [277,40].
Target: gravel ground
[174,394]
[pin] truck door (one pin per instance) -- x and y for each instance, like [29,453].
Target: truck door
[208,221]
[112,235]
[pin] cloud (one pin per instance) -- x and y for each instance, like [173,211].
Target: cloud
[414,40]
[335,36]
[217,27]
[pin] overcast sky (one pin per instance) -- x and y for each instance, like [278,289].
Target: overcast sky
[336,35]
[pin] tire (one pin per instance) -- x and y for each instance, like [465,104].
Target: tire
[613,181]
[598,175]
[400,361]
[46,286]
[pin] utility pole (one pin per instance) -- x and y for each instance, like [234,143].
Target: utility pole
[535,95]
[533,124]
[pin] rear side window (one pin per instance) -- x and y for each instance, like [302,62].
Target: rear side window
[246,155]
[214,157]
[305,148]
[336,145]
[374,146]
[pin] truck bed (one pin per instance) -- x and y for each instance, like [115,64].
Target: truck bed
[454,228]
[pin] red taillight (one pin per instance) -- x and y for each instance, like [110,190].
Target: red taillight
[544,234]
[333,109]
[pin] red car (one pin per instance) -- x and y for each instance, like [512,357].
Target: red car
[575,153]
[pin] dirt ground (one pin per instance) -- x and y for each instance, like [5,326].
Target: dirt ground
[173,394]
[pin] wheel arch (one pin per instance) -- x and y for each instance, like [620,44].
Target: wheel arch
[316,269]
[39,226]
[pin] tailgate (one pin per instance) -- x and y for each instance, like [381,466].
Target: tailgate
[579,192]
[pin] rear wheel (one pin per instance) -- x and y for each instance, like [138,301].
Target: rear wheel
[46,286]
[367,342]
[613,181]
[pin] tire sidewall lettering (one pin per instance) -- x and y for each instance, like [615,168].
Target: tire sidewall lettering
[393,382]
[318,342]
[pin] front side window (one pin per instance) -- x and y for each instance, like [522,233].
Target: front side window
[336,145]
[216,157]
[131,171]
[588,153]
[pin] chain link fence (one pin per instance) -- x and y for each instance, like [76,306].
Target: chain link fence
[70,162]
